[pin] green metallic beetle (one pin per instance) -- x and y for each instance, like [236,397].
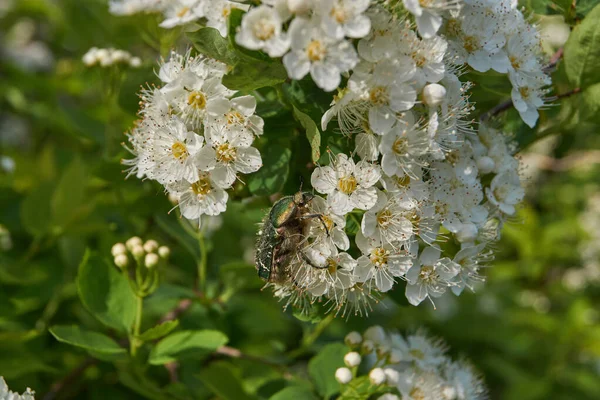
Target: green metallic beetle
[280,236]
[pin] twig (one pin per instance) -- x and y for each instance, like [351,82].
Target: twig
[69,379]
[182,307]
[236,353]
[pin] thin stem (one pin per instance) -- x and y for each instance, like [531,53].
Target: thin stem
[134,342]
[202,264]
[311,338]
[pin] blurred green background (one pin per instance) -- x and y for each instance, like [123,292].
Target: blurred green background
[533,330]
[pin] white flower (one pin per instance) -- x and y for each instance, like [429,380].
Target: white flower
[180,12]
[129,7]
[6,394]
[328,227]
[417,386]
[386,220]
[400,148]
[173,151]
[426,353]
[261,30]
[312,51]
[527,95]
[505,191]
[238,114]
[468,258]
[228,152]
[428,56]
[348,185]
[430,276]
[203,196]
[427,14]
[217,13]
[341,18]
[380,262]
[465,382]
[433,94]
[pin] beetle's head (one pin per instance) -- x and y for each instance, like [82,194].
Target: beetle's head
[302,199]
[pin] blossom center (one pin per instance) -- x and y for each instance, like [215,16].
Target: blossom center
[524,91]
[379,256]
[264,29]
[471,44]
[332,266]
[226,153]
[197,100]
[400,146]
[179,151]
[182,12]
[427,274]
[418,58]
[425,3]
[339,14]
[347,185]
[379,95]
[384,218]
[515,62]
[226,11]
[416,353]
[234,117]
[403,181]
[202,186]
[328,222]
[315,51]
[417,394]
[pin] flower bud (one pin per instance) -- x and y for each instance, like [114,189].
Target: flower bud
[368,346]
[375,334]
[343,375]
[395,356]
[132,242]
[138,251]
[150,246]
[388,396]
[118,248]
[434,94]
[90,57]
[377,376]
[151,260]
[392,377]
[382,351]
[352,359]
[164,251]
[485,165]
[352,339]
[449,393]
[121,260]
[135,62]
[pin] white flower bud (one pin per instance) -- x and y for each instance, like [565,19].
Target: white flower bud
[120,55]
[151,260]
[467,233]
[104,58]
[132,242]
[375,334]
[353,339]
[121,260]
[164,251]
[388,396]
[434,94]
[343,375]
[151,246]
[377,376]
[118,248]
[352,359]
[138,251]
[135,62]
[449,393]
[90,57]
[485,165]
[299,6]
[395,356]
[392,377]
[368,346]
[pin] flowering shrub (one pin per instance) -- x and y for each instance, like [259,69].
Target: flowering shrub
[298,170]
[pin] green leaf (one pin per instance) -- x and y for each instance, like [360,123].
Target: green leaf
[312,133]
[69,193]
[159,331]
[274,173]
[582,51]
[590,103]
[105,292]
[251,75]
[209,42]
[89,340]
[186,344]
[222,382]
[322,368]
[294,393]
[176,231]
[36,213]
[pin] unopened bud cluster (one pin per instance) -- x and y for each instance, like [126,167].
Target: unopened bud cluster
[109,57]
[406,367]
[148,253]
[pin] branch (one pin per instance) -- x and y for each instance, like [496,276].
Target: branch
[69,379]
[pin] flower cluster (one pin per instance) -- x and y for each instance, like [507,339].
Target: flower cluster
[108,57]
[494,34]
[147,253]
[214,13]
[6,394]
[194,137]
[411,367]
[419,176]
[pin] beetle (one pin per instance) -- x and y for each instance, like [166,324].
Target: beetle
[281,235]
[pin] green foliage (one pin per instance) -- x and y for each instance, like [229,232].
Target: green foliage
[85,339]
[582,51]
[323,366]
[186,344]
[159,331]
